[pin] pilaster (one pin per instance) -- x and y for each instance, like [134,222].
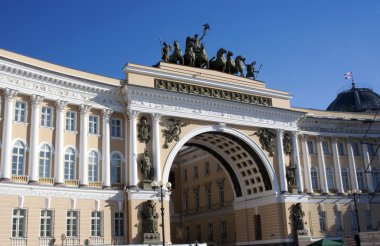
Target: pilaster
[306,163]
[297,161]
[133,176]
[59,142]
[281,162]
[83,160]
[106,163]
[34,138]
[156,146]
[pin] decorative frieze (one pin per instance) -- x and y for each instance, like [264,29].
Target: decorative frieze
[211,92]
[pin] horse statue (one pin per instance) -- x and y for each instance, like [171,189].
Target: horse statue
[176,56]
[239,65]
[201,59]
[189,56]
[218,63]
[230,64]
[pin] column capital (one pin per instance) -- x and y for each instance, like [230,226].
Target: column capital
[156,117]
[84,109]
[280,131]
[304,137]
[320,138]
[36,99]
[106,112]
[295,133]
[132,114]
[60,105]
[10,94]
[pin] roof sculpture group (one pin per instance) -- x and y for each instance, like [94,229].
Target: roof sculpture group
[196,56]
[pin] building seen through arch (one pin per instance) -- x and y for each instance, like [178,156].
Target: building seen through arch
[80,152]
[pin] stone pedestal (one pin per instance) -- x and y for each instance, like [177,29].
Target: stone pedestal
[151,238]
[294,189]
[146,185]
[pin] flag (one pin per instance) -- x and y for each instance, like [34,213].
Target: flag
[348,75]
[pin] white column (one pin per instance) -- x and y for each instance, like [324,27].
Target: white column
[306,164]
[367,160]
[351,161]
[126,149]
[106,149]
[83,162]
[34,152]
[322,166]
[281,162]
[156,147]
[297,162]
[337,167]
[6,150]
[133,177]
[59,142]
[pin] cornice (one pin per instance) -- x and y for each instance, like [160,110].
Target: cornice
[53,86]
[150,100]
[204,82]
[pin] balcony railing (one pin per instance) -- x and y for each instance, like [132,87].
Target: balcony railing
[118,241]
[20,179]
[117,186]
[47,241]
[72,241]
[97,240]
[46,181]
[18,241]
[72,183]
[96,184]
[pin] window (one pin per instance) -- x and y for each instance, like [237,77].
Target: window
[314,178]
[310,146]
[70,120]
[210,232]
[72,223]
[199,233]
[330,178]
[93,124]
[369,220]
[187,233]
[326,148]
[96,224]
[360,177]
[195,174]
[322,221]
[186,195]
[223,230]
[208,195]
[371,149]
[93,166]
[338,221]
[221,193]
[376,179]
[341,149]
[70,164]
[46,227]
[196,197]
[354,223]
[116,128]
[207,168]
[355,149]
[20,111]
[45,161]
[115,168]
[19,223]
[18,158]
[185,175]
[119,224]
[218,167]
[345,179]
[257,224]
[46,116]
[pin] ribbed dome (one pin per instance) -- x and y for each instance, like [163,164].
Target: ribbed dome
[356,100]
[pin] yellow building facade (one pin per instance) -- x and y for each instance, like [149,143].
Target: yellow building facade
[239,157]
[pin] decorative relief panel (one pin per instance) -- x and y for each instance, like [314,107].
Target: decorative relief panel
[211,92]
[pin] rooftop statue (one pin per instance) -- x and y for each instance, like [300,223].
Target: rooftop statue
[165,52]
[201,59]
[218,63]
[230,63]
[251,70]
[189,57]
[176,57]
[239,65]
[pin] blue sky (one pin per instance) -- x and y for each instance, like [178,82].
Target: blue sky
[305,46]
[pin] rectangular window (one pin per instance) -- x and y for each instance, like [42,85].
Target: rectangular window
[310,146]
[207,168]
[338,221]
[187,233]
[72,223]
[196,198]
[210,232]
[20,111]
[199,233]
[96,224]
[185,175]
[208,196]
[371,149]
[93,124]
[46,227]
[70,120]
[46,116]
[341,149]
[186,202]
[221,194]
[19,223]
[355,149]
[326,148]
[257,223]
[223,230]
[322,221]
[116,128]
[119,224]
[195,174]
[369,220]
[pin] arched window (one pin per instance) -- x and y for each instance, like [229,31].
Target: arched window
[345,179]
[115,168]
[93,166]
[18,158]
[330,178]
[70,166]
[376,179]
[314,178]
[45,161]
[360,177]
